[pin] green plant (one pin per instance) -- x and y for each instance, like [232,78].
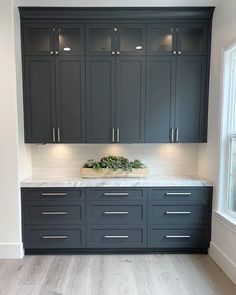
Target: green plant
[114,163]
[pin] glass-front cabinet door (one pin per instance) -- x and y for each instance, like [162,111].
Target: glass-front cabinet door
[192,39]
[161,39]
[100,39]
[70,39]
[38,39]
[131,39]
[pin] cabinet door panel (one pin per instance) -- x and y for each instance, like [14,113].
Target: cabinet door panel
[70,99]
[38,39]
[100,39]
[70,39]
[130,95]
[100,98]
[192,39]
[161,39]
[131,39]
[191,99]
[39,99]
[160,94]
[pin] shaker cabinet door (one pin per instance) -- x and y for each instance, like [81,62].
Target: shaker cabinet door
[191,99]
[39,88]
[130,99]
[160,95]
[100,99]
[70,93]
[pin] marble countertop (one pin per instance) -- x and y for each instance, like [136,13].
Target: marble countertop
[118,182]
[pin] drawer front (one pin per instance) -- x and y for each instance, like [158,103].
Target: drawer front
[115,194]
[37,213]
[116,213]
[116,237]
[177,214]
[53,194]
[54,237]
[177,238]
[178,194]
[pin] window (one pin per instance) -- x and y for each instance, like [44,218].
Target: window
[229,130]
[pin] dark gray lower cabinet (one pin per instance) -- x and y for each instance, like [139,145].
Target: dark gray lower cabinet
[166,219]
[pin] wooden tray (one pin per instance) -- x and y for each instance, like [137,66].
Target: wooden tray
[109,173]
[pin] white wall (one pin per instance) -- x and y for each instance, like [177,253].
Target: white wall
[223,246]
[161,159]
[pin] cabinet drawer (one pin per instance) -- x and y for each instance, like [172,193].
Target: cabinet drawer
[37,213]
[177,194]
[174,214]
[54,237]
[116,237]
[116,213]
[49,194]
[177,238]
[115,194]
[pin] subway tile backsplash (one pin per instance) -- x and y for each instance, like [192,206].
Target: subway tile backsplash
[161,159]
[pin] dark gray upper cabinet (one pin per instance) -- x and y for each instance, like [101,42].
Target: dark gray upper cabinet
[192,39]
[39,90]
[115,39]
[100,39]
[130,99]
[69,39]
[70,94]
[38,39]
[131,39]
[161,39]
[116,75]
[160,98]
[100,99]
[190,118]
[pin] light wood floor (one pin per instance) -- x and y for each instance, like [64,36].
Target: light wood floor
[114,275]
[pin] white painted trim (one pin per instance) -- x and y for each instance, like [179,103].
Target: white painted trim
[11,251]
[224,262]
[225,219]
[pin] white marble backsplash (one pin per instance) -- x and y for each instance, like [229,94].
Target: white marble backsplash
[161,159]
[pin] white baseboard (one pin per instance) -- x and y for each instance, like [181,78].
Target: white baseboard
[11,250]
[223,261]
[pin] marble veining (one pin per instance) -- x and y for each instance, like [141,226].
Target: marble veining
[112,182]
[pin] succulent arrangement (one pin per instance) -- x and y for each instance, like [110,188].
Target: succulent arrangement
[114,163]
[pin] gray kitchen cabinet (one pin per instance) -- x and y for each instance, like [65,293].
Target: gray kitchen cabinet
[191,103]
[160,98]
[100,99]
[115,97]
[176,219]
[39,94]
[145,79]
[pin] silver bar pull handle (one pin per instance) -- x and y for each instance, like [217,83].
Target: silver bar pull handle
[53,135]
[178,194]
[177,134]
[116,194]
[58,135]
[116,212]
[53,194]
[113,134]
[171,134]
[118,134]
[55,213]
[116,237]
[180,213]
[178,237]
[54,237]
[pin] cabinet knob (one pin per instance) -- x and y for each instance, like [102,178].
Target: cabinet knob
[56,52]
[179,52]
[174,52]
[51,52]
[118,52]
[113,52]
